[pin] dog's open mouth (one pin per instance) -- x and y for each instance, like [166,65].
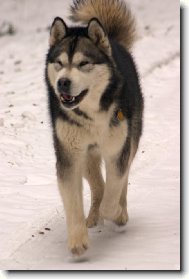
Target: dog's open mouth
[70,101]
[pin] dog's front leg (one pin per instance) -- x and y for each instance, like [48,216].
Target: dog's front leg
[70,186]
[114,205]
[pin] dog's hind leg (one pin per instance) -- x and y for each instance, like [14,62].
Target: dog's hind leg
[123,217]
[92,172]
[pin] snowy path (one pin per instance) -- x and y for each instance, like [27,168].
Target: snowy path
[29,199]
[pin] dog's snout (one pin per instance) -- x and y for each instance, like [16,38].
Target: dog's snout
[64,85]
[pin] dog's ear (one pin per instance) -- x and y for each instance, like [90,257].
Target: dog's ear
[98,35]
[58,31]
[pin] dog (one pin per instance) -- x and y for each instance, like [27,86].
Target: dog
[96,110]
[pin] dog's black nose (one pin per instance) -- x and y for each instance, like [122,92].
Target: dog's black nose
[64,85]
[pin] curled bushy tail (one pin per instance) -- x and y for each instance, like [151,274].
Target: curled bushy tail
[114,15]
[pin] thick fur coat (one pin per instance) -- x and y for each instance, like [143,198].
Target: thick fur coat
[96,108]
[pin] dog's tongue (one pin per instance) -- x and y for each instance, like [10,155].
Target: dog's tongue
[67,97]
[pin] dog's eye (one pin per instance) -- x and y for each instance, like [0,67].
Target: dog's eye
[58,62]
[84,63]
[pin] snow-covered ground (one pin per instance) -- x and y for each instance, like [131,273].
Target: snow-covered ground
[32,223]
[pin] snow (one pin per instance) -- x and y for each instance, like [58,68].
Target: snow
[29,198]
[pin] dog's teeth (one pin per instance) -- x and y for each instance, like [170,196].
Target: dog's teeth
[72,99]
[63,100]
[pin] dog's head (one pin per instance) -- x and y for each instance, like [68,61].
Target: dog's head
[78,63]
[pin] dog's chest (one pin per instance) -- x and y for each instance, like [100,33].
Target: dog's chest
[98,131]
[109,138]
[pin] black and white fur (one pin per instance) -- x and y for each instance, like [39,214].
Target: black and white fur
[90,77]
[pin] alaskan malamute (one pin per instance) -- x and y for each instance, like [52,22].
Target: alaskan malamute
[96,108]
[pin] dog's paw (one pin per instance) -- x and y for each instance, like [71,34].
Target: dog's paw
[78,244]
[92,219]
[122,219]
[110,212]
